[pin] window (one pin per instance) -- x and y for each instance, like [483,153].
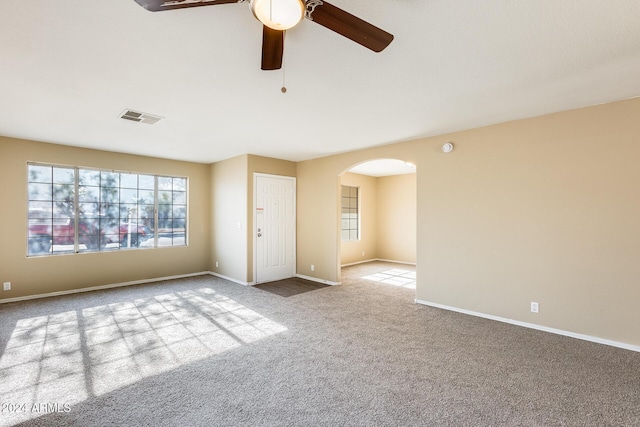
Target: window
[172,210]
[350,216]
[87,210]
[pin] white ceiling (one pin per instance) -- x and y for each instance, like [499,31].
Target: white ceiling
[68,68]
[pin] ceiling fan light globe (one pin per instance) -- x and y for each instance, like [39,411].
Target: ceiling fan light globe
[278,14]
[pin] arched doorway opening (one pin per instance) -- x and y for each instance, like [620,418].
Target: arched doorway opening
[377,224]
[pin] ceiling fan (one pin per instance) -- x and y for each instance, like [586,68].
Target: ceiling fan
[277,16]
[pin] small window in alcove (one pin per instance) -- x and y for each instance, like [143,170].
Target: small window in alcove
[350,216]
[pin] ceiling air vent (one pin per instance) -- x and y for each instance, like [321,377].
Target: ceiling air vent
[137,116]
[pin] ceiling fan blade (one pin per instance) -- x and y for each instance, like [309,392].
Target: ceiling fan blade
[159,5]
[272,48]
[348,25]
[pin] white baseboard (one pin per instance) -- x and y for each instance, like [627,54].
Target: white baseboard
[140,282]
[534,326]
[395,262]
[231,279]
[101,287]
[315,279]
[377,259]
[359,262]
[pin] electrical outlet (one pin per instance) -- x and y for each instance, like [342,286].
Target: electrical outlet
[216,264]
[362,253]
[535,307]
[6,286]
[313,267]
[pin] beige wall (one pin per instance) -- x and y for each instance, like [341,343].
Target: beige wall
[37,275]
[229,205]
[318,208]
[544,209]
[232,212]
[396,221]
[365,248]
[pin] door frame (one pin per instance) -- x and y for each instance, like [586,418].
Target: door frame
[254,214]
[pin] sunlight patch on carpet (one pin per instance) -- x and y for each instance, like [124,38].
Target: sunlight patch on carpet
[396,277]
[65,358]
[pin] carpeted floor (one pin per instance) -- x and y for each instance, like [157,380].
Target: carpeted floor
[206,352]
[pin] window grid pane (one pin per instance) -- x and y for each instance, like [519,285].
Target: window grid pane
[172,211]
[50,209]
[350,221]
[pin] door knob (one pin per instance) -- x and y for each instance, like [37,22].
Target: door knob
[259,234]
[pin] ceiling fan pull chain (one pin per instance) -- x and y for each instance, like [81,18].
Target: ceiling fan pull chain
[284,62]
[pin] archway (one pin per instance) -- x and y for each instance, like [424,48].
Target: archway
[377,220]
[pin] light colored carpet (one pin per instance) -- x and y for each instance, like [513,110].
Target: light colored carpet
[205,352]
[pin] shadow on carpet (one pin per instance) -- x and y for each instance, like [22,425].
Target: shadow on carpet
[291,286]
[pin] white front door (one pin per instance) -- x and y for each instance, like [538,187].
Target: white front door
[275,227]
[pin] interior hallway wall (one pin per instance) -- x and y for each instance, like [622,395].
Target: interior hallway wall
[229,205]
[396,221]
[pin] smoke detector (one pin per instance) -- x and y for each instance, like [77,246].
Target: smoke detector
[137,116]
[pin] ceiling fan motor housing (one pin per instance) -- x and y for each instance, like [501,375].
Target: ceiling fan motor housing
[279,15]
